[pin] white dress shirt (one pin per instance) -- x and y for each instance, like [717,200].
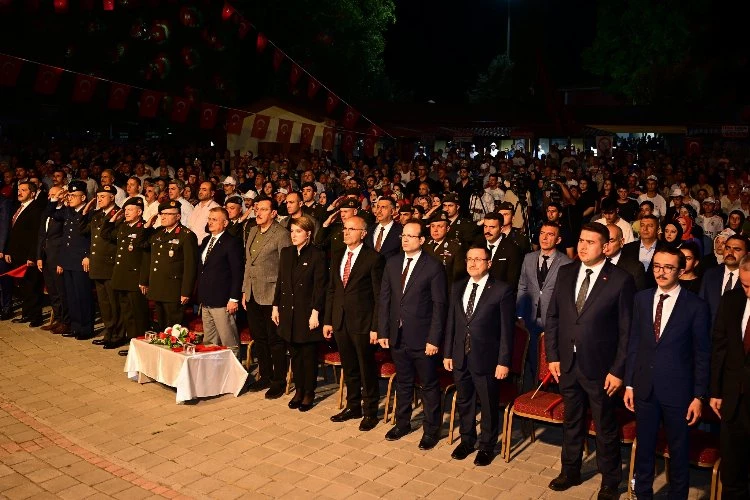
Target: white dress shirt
[667,307]
[494,246]
[469,286]
[735,276]
[414,258]
[745,317]
[186,209]
[386,229]
[355,253]
[150,210]
[582,275]
[625,227]
[205,250]
[199,218]
[616,258]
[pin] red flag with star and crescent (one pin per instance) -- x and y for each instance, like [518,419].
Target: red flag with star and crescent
[118,96]
[295,74]
[331,102]
[235,120]
[348,142]
[278,58]
[313,86]
[180,109]
[47,80]
[284,133]
[209,114]
[260,126]
[84,87]
[306,134]
[10,68]
[150,100]
[369,146]
[351,116]
[328,138]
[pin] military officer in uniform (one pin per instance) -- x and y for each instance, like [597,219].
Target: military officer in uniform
[237,220]
[173,266]
[311,207]
[73,264]
[463,230]
[331,234]
[131,236]
[448,252]
[101,262]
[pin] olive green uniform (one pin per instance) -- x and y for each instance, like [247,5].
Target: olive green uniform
[451,255]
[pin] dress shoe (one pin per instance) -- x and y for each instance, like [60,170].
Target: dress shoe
[259,385]
[563,482]
[22,319]
[307,402]
[98,341]
[347,414]
[608,493]
[62,330]
[275,392]
[294,403]
[36,323]
[50,326]
[69,333]
[483,458]
[428,442]
[396,433]
[462,451]
[368,424]
[6,315]
[116,344]
[122,352]
[85,336]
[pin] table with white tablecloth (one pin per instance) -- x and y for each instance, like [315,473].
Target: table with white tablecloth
[202,374]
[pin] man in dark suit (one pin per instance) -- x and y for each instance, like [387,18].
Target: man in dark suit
[21,250]
[220,272]
[587,329]
[642,250]
[49,245]
[352,316]
[730,384]
[385,235]
[478,348]
[615,256]
[666,374]
[413,304]
[507,257]
[720,279]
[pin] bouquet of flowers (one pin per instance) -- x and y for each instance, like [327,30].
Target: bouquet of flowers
[177,336]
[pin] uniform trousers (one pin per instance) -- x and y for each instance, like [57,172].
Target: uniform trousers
[80,302]
[169,313]
[220,328]
[109,307]
[134,310]
[269,347]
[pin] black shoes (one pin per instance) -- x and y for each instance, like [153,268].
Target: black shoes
[36,323]
[22,319]
[294,403]
[122,352]
[259,385]
[88,336]
[428,442]
[608,493]
[116,344]
[347,414]
[6,315]
[483,458]
[69,333]
[307,402]
[396,433]
[462,451]
[563,482]
[275,392]
[98,341]
[368,424]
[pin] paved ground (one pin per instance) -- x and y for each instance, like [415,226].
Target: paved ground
[72,425]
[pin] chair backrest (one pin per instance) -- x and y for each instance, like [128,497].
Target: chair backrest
[542,366]
[520,348]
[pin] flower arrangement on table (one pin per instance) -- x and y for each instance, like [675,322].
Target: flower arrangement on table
[177,336]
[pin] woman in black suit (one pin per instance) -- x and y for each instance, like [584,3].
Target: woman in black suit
[297,305]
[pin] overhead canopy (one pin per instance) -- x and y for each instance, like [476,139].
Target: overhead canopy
[640,129]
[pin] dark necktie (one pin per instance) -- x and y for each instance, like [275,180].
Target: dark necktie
[728,286]
[545,268]
[469,312]
[379,243]
[491,248]
[15,216]
[746,339]
[405,273]
[657,319]
[581,299]
[347,268]
[210,247]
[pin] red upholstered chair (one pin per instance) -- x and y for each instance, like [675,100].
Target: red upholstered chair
[329,356]
[247,339]
[535,405]
[387,370]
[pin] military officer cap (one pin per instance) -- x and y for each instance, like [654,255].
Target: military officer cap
[405,209]
[310,185]
[76,186]
[109,189]
[350,203]
[135,200]
[438,216]
[169,204]
[234,199]
[450,198]
[506,205]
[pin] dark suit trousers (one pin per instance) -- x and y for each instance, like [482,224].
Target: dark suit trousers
[468,386]
[269,347]
[411,363]
[6,287]
[648,417]
[109,307]
[80,300]
[735,458]
[579,394]
[360,370]
[305,366]
[134,310]
[31,291]
[168,314]
[56,291]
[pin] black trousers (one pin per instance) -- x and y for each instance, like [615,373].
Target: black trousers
[81,302]
[269,347]
[31,289]
[169,313]
[649,414]
[360,370]
[109,307]
[410,363]
[469,385]
[579,394]
[735,457]
[6,288]
[134,310]
[56,291]
[305,366]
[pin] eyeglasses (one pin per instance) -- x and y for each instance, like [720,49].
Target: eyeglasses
[409,237]
[667,269]
[349,229]
[169,213]
[477,260]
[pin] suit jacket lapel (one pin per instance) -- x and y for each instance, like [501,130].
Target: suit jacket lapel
[482,299]
[671,320]
[216,246]
[266,236]
[415,266]
[595,291]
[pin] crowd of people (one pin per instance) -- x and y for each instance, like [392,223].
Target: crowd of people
[634,266]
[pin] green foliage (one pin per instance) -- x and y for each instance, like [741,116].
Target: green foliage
[496,84]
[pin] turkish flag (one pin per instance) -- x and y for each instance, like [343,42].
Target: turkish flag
[306,134]
[348,142]
[375,130]
[47,80]
[313,86]
[331,102]
[118,96]
[209,114]
[244,29]
[278,58]
[260,126]
[693,146]
[18,272]
[350,117]
[284,134]
[150,100]
[295,74]
[108,5]
[235,120]
[180,109]
[84,88]
[369,146]
[10,68]
[261,43]
[329,136]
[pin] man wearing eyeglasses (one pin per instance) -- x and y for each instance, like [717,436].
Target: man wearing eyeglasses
[666,376]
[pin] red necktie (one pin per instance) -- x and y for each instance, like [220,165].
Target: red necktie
[657,320]
[379,243]
[15,215]
[347,268]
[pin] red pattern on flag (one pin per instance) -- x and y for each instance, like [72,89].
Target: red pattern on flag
[369,146]
[348,142]
[284,133]
[261,43]
[243,29]
[108,5]
[150,100]
[331,102]
[375,131]
[278,58]
[260,126]
[118,96]
[329,136]
[47,80]
[235,120]
[351,116]
[295,74]
[306,134]
[10,68]
[84,88]
[180,109]
[313,86]
[209,114]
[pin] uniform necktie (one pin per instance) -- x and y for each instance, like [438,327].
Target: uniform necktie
[210,247]
[15,216]
[469,312]
[491,248]
[379,243]
[405,273]
[657,319]
[581,299]
[746,339]
[347,268]
[728,286]
[545,267]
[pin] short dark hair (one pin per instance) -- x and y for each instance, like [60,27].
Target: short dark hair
[493,216]
[388,199]
[681,261]
[487,253]
[598,228]
[32,185]
[609,205]
[742,238]
[417,222]
[272,200]
[550,223]
[651,217]
[136,179]
[694,249]
[647,202]
[557,205]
